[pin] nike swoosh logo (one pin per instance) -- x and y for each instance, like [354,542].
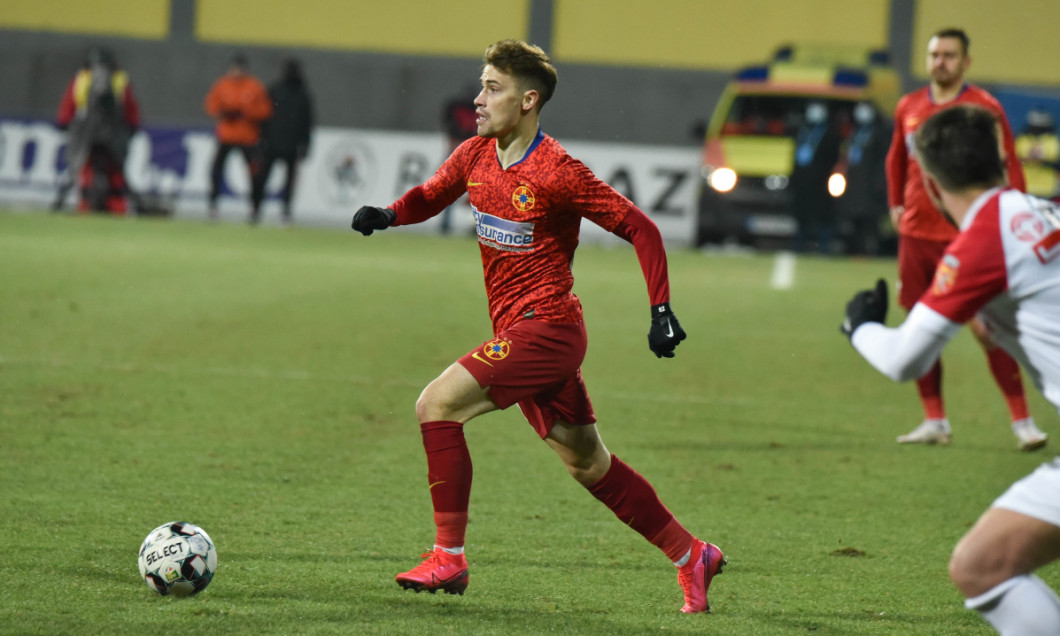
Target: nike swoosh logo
[670,332]
[437,483]
[481,359]
[472,184]
[449,579]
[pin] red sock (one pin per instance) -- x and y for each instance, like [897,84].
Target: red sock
[449,479]
[1007,375]
[930,389]
[629,495]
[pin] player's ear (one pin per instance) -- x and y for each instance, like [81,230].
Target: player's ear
[530,100]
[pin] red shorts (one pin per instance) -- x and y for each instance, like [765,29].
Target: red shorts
[917,261]
[537,365]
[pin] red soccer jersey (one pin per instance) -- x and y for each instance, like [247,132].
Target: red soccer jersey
[527,218]
[904,184]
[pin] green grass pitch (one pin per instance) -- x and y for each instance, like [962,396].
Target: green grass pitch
[260,382]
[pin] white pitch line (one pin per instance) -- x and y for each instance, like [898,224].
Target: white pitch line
[783,271]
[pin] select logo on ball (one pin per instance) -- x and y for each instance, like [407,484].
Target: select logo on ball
[178,559]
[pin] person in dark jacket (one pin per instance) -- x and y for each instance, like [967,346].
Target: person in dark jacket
[816,153]
[286,136]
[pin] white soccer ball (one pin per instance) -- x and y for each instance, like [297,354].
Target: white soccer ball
[178,558]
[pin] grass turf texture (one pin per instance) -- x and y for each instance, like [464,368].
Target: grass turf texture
[260,383]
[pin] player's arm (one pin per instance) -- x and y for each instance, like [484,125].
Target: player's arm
[1013,166]
[665,332]
[972,272]
[908,351]
[895,168]
[420,203]
[600,203]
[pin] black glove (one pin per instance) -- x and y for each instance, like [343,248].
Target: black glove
[869,305]
[369,219]
[665,331]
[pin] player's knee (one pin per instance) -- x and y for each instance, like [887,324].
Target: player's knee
[587,469]
[960,571]
[435,405]
[973,570]
[427,409]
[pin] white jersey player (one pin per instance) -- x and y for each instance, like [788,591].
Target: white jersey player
[1004,267]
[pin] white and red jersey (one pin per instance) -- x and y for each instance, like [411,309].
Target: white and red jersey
[1004,266]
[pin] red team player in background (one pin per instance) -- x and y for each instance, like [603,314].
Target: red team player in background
[528,197]
[924,233]
[1004,266]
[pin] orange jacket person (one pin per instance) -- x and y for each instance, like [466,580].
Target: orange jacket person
[240,103]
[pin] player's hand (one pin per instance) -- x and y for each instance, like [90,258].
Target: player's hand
[665,331]
[869,305]
[896,213]
[369,219]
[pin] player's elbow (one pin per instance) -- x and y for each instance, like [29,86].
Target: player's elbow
[906,370]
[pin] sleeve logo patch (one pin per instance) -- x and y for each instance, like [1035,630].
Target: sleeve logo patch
[523,198]
[945,275]
[1027,227]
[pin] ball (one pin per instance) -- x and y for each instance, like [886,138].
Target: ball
[177,558]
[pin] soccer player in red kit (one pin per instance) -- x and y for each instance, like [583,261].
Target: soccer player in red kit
[923,233]
[528,197]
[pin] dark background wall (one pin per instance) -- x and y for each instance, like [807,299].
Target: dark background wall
[623,99]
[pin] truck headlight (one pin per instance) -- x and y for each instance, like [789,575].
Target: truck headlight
[722,179]
[837,185]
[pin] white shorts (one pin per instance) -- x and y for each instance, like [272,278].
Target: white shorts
[1036,495]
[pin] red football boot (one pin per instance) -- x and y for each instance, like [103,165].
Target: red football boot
[695,576]
[439,571]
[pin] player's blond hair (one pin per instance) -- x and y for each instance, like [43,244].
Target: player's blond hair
[527,63]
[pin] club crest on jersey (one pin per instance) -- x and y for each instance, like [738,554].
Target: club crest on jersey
[945,275]
[496,349]
[523,198]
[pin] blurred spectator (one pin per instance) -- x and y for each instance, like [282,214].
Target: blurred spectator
[866,191]
[285,137]
[239,103]
[458,119]
[101,114]
[816,154]
[1039,150]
